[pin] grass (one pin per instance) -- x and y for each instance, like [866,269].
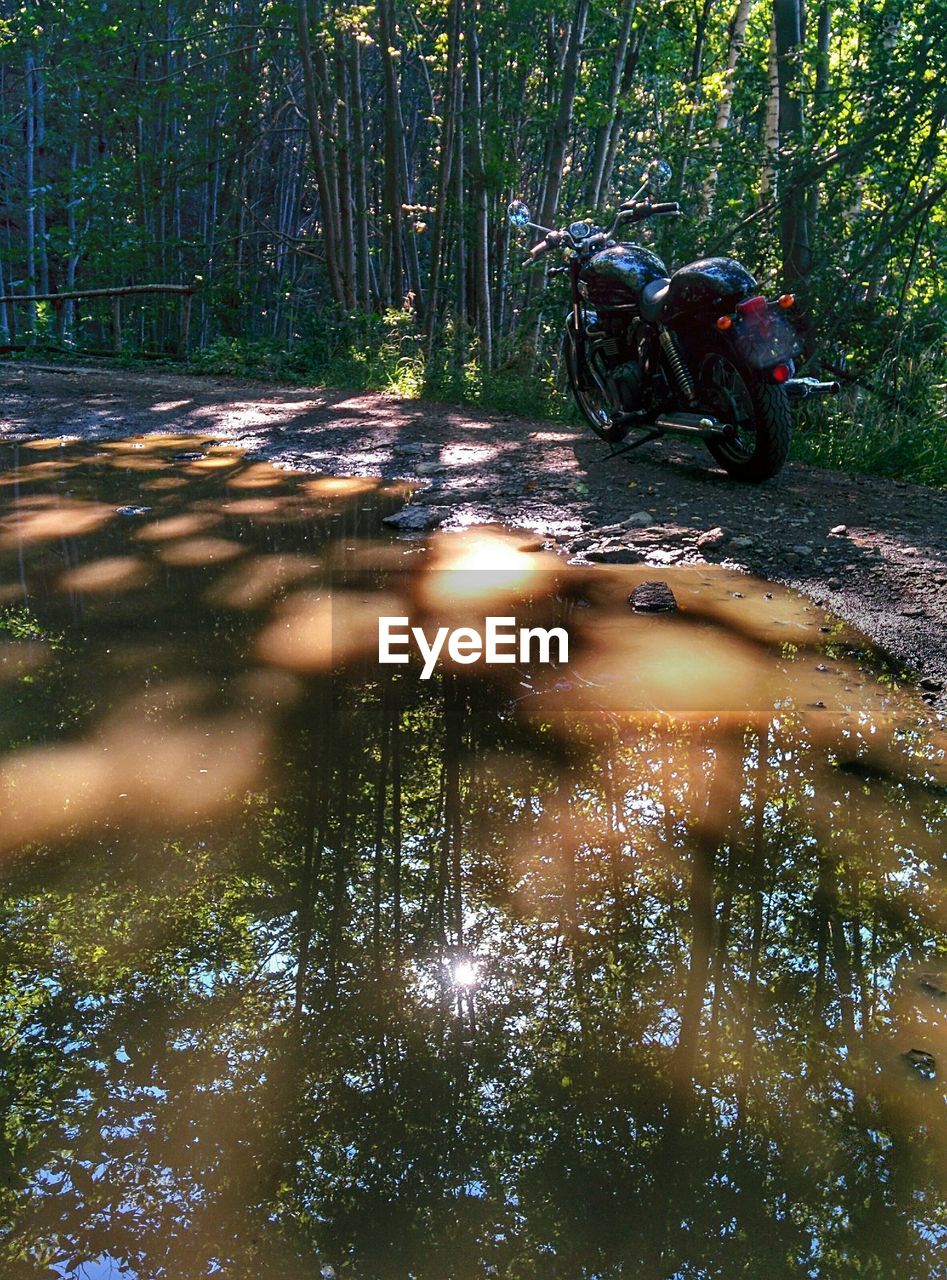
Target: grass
[386,353]
[900,433]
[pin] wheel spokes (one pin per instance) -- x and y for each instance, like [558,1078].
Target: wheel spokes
[731,400]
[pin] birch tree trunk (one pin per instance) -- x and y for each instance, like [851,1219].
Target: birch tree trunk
[820,104]
[360,193]
[771,130]
[604,132]
[696,75]
[628,75]
[443,172]
[559,135]
[29,160]
[346,209]
[481,209]
[794,224]
[393,275]
[562,126]
[326,194]
[725,105]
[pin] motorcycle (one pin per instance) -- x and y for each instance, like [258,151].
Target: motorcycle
[697,352]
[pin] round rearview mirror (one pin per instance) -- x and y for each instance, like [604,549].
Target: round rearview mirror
[579,230]
[659,174]
[518,213]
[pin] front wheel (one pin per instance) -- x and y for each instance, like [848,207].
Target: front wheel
[586,391]
[758,412]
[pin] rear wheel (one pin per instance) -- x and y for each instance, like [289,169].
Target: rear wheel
[757,411]
[591,399]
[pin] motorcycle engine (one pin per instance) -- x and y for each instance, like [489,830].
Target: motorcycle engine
[628,360]
[633,373]
[629,382]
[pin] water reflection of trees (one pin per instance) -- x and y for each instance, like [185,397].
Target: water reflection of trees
[696,974]
[235,1042]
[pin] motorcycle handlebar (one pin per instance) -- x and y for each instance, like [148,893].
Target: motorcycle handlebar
[552,241]
[630,212]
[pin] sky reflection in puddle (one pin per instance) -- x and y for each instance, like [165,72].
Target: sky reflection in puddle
[632,968]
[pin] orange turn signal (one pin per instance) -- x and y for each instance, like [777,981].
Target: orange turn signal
[725,322]
[786,301]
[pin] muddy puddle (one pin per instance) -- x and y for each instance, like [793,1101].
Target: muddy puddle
[629,966]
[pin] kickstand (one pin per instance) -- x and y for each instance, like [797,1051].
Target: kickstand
[628,448]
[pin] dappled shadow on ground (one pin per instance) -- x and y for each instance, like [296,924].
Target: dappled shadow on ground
[627,966]
[481,467]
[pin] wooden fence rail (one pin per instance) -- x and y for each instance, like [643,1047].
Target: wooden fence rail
[186,292]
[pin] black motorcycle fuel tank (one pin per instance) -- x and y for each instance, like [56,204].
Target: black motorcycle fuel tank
[709,282]
[614,277]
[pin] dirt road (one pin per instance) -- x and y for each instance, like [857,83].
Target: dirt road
[874,551]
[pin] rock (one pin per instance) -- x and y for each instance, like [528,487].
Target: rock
[652,597]
[581,544]
[429,468]
[741,542]
[912,611]
[665,557]
[839,530]
[639,520]
[614,555]
[713,538]
[929,683]
[801,550]
[416,518]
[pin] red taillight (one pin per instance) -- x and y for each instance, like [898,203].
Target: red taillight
[781,373]
[752,306]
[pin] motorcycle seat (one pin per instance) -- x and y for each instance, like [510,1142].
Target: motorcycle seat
[653,298]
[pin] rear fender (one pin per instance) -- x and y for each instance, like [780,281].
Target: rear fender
[758,340]
[764,337]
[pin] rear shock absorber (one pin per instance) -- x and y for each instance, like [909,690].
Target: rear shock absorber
[680,370]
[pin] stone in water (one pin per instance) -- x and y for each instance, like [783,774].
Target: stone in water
[652,597]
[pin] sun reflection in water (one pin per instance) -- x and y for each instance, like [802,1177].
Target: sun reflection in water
[308,959]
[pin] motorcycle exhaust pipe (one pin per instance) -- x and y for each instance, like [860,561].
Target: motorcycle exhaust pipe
[690,424]
[808,388]
[684,424]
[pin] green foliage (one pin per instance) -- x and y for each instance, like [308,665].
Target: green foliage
[179,151]
[386,353]
[898,431]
